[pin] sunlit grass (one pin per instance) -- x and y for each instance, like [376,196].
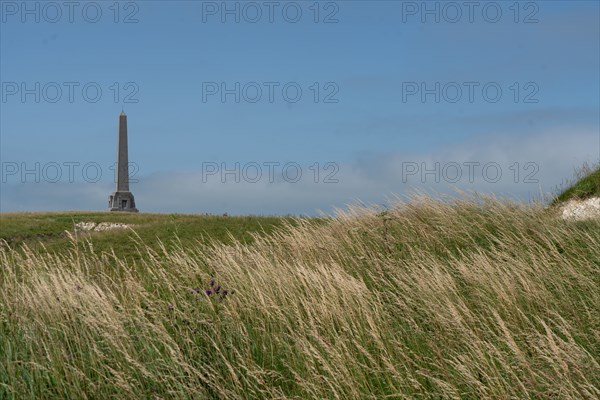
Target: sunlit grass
[474,298]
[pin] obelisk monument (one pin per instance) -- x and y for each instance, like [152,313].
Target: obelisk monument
[122,199]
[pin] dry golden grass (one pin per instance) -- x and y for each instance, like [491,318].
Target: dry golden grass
[473,298]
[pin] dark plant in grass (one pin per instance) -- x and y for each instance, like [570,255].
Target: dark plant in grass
[216,292]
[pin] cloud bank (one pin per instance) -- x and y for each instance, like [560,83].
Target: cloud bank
[522,167]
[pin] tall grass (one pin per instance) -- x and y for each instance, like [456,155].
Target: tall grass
[473,298]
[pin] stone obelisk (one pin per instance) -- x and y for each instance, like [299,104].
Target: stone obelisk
[122,199]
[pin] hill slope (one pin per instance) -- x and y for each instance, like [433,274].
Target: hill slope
[587,185]
[52,231]
[468,299]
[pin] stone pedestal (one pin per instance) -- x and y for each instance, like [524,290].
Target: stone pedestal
[122,201]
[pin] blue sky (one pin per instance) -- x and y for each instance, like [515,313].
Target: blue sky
[367,131]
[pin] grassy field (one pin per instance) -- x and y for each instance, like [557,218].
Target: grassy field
[464,299]
[53,231]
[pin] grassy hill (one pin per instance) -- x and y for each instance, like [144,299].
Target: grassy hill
[50,231]
[466,299]
[586,185]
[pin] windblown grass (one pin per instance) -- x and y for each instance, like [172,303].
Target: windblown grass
[473,298]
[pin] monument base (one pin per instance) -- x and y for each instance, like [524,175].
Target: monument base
[122,201]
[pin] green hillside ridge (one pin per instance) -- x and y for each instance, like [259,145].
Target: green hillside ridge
[586,185]
[49,230]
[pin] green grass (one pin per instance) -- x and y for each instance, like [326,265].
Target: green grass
[48,231]
[586,185]
[465,299]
